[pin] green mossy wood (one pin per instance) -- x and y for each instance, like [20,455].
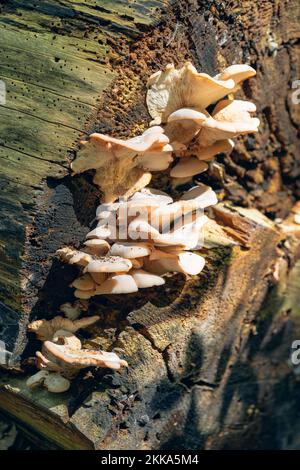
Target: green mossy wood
[209,357]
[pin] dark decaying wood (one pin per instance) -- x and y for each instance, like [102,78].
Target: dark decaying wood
[209,357]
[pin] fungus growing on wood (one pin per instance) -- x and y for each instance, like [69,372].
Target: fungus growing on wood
[45,329]
[62,355]
[122,166]
[178,99]
[151,237]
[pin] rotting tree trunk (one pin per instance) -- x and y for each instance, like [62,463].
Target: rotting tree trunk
[208,357]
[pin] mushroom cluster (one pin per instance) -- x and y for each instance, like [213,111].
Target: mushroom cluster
[141,233]
[177,99]
[138,240]
[62,355]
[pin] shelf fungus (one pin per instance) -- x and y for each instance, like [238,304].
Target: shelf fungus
[62,355]
[178,100]
[146,236]
[123,167]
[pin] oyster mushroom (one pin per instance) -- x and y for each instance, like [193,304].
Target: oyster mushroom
[80,359]
[96,247]
[144,279]
[37,379]
[122,166]
[118,284]
[173,89]
[55,383]
[186,262]
[188,167]
[230,118]
[71,256]
[45,329]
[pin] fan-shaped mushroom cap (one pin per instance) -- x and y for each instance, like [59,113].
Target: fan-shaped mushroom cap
[79,359]
[144,279]
[186,236]
[140,229]
[97,247]
[149,197]
[121,166]
[172,89]
[37,379]
[55,383]
[45,329]
[67,338]
[189,114]
[68,255]
[237,72]
[44,363]
[117,284]
[201,196]
[109,264]
[188,167]
[84,283]
[100,232]
[207,153]
[230,118]
[130,250]
[186,262]
[83,294]
[105,210]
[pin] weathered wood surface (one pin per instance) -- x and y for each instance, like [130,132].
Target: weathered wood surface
[208,358]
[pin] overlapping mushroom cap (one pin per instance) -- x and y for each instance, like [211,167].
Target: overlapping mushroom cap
[62,355]
[141,239]
[123,166]
[179,98]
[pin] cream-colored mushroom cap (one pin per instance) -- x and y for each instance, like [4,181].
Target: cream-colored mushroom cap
[144,279]
[55,383]
[45,329]
[97,246]
[108,264]
[187,114]
[202,196]
[188,167]
[117,284]
[79,359]
[172,89]
[37,379]
[186,262]
[130,250]
[102,232]
[151,197]
[208,152]
[84,282]
[237,72]
[230,118]
[68,255]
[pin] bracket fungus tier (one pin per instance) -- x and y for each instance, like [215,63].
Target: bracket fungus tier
[148,235]
[122,167]
[62,355]
[178,99]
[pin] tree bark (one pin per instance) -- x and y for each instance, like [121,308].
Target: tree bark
[208,356]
